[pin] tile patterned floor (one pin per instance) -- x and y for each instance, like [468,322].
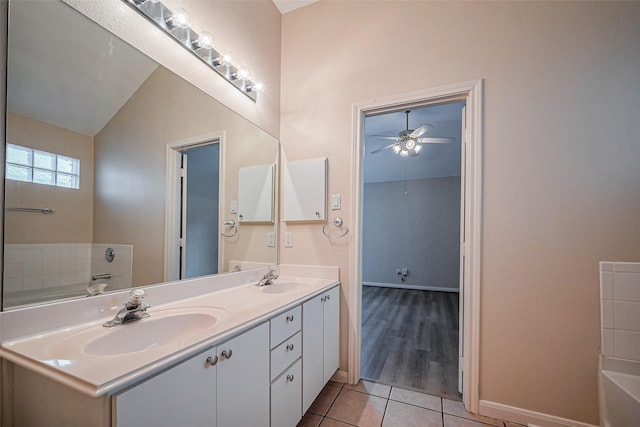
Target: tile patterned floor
[371,404]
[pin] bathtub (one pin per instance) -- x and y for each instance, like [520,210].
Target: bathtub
[619,385]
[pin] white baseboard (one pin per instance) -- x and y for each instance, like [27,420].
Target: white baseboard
[404,286]
[340,376]
[525,416]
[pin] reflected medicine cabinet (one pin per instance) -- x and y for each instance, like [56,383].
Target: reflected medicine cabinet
[255,193]
[305,190]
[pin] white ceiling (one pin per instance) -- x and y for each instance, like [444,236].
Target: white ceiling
[434,160]
[44,47]
[285,6]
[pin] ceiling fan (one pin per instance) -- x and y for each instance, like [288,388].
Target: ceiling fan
[409,142]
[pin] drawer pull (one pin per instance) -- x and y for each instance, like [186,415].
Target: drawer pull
[226,354]
[290,377]
[212,360]
[289,347]
[290,318]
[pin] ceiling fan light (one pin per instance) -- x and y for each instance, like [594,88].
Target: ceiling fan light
[404,153]
[396,148]
[410,144]
[417,148]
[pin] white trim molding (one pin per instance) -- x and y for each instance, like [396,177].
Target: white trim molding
[525,416]
[471,92]
[412,287]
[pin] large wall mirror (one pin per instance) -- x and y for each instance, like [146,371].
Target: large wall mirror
[119,172]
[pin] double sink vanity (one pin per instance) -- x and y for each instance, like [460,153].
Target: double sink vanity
[214,351]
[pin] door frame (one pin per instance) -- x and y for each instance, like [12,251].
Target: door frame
[471,92]
[172,200]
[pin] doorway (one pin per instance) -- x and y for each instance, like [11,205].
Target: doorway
[194,195]
[471,94]
[411,248]
[200,181]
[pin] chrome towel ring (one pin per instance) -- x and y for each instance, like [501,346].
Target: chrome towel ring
[338,222]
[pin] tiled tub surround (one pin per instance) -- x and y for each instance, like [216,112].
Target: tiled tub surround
[27,332]
[34,272]
[620,332]
[620,309]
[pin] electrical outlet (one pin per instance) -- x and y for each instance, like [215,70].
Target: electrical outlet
[271,239]
[405,271]
[398,271]
[288,240]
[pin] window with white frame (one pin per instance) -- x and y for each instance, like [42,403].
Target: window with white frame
[40,167]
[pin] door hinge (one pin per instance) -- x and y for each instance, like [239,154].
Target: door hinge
[183,172]
[182,242]
[463,249]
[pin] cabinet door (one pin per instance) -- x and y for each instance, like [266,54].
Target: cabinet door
[286,397]
[331,332]
[182,396]
[312,350]
[243,380]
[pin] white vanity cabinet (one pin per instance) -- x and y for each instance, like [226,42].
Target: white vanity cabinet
[286,370]
[224,386]
[320,343]
[183,395]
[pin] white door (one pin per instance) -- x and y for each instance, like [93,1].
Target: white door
[243,380]
[463,168]
[182,396]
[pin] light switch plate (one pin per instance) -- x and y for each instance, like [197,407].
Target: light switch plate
[336,202]
[288,240]
[234,206]
[271,239]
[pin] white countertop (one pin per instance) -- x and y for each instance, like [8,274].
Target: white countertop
[242,307]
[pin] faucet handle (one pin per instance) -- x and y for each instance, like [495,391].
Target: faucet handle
[137,295]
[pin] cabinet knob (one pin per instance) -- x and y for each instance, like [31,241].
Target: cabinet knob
[226,354]
[289,347]
[323,299]
[290,318]
[290,377]
[212,360]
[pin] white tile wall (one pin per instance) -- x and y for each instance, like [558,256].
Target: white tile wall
[121,268]
[620,309]
[33,267]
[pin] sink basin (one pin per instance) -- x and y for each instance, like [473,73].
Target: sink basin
[283,287]
[170,326]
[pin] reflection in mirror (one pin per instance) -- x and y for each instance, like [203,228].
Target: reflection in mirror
[140,170]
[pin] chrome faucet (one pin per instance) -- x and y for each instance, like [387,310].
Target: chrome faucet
[134,309]
[268,278]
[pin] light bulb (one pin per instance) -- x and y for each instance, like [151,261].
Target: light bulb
[227,59]
[410,144]
[404,153]
[417,148]
[179,18]
[244,73]
[204,41]
[396,148]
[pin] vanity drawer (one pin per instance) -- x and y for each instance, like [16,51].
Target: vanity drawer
[286,397]
[285,325]
[285,354]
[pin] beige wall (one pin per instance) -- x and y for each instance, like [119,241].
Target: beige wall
[130,169]
[561,157]
[72,221]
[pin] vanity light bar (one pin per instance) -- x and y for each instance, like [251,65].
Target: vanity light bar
[176,24]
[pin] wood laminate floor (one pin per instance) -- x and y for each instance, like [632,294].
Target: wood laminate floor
[410,339]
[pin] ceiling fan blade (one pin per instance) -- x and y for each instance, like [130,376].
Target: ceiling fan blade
[443,140]
[420,131]
[395,138]
[383,148]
